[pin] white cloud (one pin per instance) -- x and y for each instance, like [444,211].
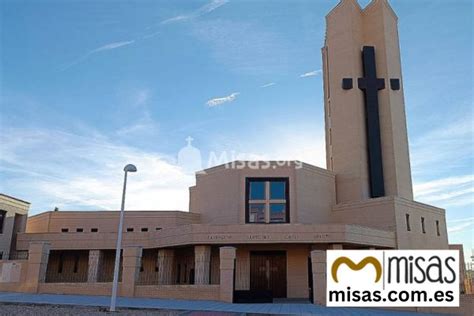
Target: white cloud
[460,225]
[450,191]
[211,6]
[85,172]
[222,100]
[452,142]
[268,85]
[103,48]
[111,46]
[311,74]
[245,47]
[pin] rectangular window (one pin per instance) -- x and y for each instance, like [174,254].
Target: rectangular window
[144,229]
[129,229]
[407,219]
[267,200]
[423,225]
[79,230]
[158,228]
[1,255]
[437,228]
[64,230]
[3,214]
[94,230]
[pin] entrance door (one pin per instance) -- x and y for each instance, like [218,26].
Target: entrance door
[268,273]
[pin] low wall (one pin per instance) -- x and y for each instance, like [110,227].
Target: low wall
[181,291]
[188,292]
[78,288]
[17,274]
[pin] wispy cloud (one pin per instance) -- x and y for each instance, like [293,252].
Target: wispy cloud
[205,9]
[311,73]
[103,48]
[245,47]
[268,85]
[111,46]
[222,100]
[80,171]
[460,225]
[450,191]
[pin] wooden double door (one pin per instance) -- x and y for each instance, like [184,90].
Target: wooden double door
[268,273]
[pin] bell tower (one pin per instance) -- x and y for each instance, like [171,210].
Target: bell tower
[366,133]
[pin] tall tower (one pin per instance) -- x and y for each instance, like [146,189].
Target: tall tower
[366,133]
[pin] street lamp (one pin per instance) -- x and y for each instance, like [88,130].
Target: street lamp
[128,168]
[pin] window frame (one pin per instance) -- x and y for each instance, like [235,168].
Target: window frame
[286,180]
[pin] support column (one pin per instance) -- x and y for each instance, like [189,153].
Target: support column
[227,266]
[318,264]
[202,264]
[132,257]
[165,266]
[95,260]
[38,256]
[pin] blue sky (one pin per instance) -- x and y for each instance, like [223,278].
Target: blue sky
[88,86]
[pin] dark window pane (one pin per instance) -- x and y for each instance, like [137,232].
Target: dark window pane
[277,190]
[256,213]
[277,212]
[3,214]
[257,190]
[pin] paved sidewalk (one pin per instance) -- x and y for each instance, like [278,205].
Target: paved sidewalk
[187,305]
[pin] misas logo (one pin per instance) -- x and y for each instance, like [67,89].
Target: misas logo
[392,278]
[353,266]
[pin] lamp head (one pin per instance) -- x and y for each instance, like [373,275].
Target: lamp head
[130,168]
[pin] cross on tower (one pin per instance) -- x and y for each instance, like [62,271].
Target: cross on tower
[370,84]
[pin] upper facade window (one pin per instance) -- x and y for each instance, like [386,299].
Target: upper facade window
[267,200]
[3,214]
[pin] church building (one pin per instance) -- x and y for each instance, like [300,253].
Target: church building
[259,231]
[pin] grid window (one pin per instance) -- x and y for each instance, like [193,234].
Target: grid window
[267,200]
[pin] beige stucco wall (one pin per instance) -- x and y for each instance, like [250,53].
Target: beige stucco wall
[13,207]
[219,194]
[107,221]
[389,213]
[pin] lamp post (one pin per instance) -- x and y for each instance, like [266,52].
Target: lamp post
[128,168]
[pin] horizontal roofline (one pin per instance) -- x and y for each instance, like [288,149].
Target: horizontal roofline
[14,198]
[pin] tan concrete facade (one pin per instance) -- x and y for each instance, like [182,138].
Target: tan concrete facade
[13,216]
[215,251]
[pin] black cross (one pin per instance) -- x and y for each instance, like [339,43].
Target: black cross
[370,84]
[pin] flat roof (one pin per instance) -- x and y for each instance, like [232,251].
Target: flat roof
[14,198]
